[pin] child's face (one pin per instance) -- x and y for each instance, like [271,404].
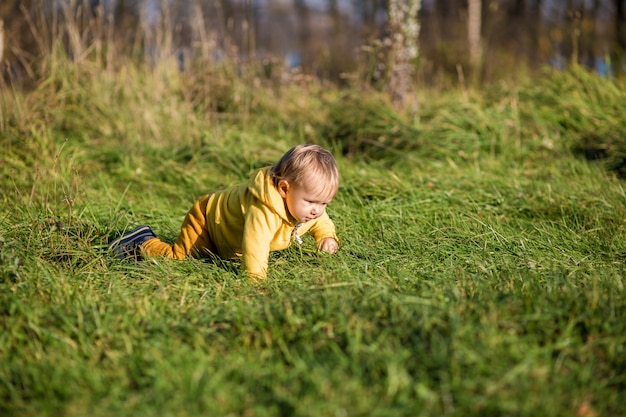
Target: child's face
[305,202]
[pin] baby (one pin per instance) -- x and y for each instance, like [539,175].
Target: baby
[248,221]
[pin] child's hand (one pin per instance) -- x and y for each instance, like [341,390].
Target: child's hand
[329,245]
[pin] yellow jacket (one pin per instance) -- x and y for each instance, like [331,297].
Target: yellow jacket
[250,220]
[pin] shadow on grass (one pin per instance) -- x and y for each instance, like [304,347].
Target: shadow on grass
[606,147]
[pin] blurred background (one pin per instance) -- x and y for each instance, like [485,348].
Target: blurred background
[487,40]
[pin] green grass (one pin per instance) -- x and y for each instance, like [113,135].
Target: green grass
[481,270]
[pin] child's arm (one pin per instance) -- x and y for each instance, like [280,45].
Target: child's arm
[328,245]
[323,230]
[259,228]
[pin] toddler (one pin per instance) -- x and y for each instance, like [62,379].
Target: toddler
[248,221]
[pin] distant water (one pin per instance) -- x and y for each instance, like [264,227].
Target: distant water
[314,33]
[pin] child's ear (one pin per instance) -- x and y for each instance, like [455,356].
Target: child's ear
[283,187]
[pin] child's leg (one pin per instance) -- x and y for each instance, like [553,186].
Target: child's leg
[128,245]
[193,240]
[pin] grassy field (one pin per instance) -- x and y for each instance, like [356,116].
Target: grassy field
[481,269]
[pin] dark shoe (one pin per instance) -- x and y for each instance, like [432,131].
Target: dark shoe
[129,245]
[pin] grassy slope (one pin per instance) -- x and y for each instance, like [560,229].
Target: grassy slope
[481,269]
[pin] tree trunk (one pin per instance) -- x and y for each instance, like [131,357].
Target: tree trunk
[404,33]
[303,28]
[620,24]
[1,40]
[535,25]
[474,23]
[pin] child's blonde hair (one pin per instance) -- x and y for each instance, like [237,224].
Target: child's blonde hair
[308,161]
